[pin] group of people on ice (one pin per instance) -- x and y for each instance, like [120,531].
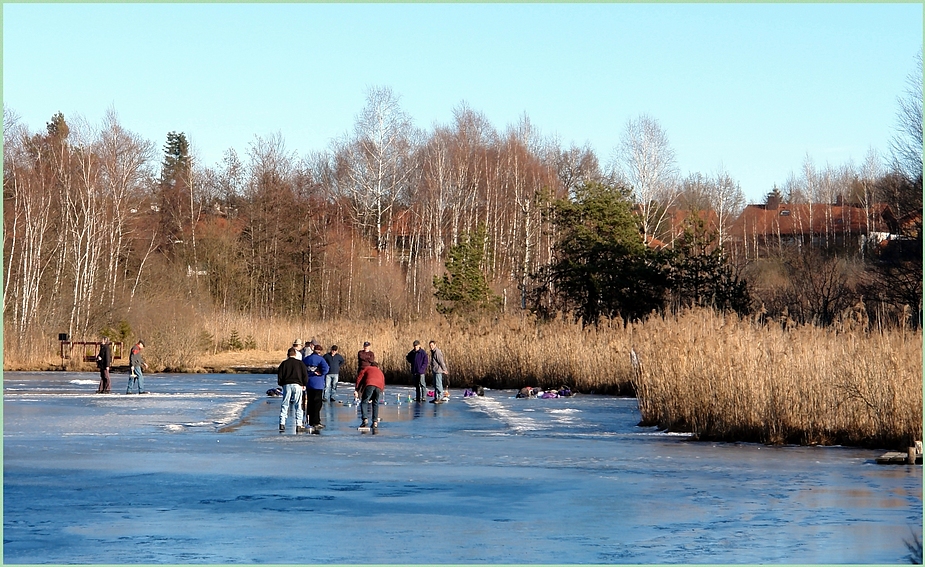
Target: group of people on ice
[308,378]
[531,392]
[136,378]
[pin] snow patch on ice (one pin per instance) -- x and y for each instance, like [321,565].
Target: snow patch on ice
[231,411]
[565,416]
[185,426]
[663,434]
[84,382]
[495,409]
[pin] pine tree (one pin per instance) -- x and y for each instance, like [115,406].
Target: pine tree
[699,272]
[173,189]
[601,267]
[464,288]
[176,158]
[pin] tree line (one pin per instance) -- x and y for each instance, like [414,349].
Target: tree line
[100,226]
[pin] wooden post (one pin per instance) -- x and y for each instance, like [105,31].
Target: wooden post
[910,459]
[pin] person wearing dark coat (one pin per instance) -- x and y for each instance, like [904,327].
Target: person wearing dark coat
[334,360]
[292,376]
[104,362]
[317,369]
[365,357]
[417,360]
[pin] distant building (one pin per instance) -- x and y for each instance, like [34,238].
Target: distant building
[678,220]
[768,228]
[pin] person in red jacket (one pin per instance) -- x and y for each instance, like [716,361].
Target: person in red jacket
[370,381]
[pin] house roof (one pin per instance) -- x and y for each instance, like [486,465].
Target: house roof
[789,219]
[679,218]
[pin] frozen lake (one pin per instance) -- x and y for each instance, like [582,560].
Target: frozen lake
[197,472]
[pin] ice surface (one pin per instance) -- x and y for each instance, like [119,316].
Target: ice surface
[197,472]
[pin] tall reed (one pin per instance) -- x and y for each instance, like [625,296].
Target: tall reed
[727,378]
[721,377]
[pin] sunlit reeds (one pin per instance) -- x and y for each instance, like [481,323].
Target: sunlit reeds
[727,378]
[721,377]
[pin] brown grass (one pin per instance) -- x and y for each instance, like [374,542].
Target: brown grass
[719,377]
[725,378]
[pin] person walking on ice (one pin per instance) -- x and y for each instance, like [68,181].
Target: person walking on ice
[104,362]
[299,351]
[370,381]
[135,364]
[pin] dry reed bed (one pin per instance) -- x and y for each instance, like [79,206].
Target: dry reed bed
[719,377]
[508,352]
[725,378]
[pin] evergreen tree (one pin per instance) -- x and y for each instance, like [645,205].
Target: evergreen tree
[173,189]
[57,128]
[464,288]
[601,267]
[176,158]
[700,275]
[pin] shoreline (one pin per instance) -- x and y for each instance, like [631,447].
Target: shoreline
[230,362]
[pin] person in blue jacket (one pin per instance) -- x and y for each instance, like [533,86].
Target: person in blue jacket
[417,360]
[317,370]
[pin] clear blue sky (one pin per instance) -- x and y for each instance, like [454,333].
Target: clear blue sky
[754,88]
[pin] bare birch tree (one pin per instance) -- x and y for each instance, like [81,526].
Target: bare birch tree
[870,171]
[727,201]
[85,223]
[906,143]
[125,159]
[645,161]
[29,227]
[376,161]
[270,210]
[577,166]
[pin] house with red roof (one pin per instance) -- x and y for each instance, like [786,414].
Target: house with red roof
[770,227]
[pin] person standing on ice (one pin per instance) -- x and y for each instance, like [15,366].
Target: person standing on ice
[104,362]
[135,363]
[365,357]
[438,367]
[317,370]
[292,376]
[309,348]
[299,351]
[417,360]
[334,360]
[371,382]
